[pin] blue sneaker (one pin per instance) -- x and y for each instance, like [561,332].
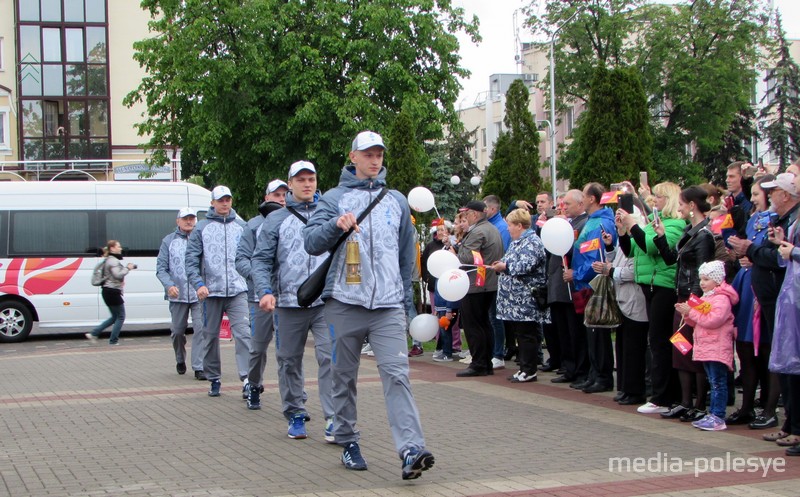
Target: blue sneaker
[297,427]
[415,461]
[254,397]
[329,438]
[352,459]
[710,423]
[214,390]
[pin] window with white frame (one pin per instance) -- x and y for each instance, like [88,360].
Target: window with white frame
[569,120]
[5,133]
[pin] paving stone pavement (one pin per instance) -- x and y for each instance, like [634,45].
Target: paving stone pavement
[82,419]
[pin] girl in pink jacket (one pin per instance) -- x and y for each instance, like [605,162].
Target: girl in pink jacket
[714,336]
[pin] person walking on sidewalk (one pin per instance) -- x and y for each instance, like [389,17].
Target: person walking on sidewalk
[210,266]
[280,264]
[113,280]
[171,272]
[373,301]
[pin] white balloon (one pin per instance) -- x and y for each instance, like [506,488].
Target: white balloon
[453,284]
[420,199]
[440,261]
[455,180]
[475,180]
[558,236]
[424,327]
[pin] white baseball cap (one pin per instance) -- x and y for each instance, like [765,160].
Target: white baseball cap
[221,191]
[784,181]
[301,165]
[186,212]
[367,139]
[275,184]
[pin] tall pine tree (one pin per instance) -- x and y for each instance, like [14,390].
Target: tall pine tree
[613,140]
[406,155]
[781,114]
[513,172]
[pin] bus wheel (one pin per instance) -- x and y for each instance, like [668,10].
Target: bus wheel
[16,322]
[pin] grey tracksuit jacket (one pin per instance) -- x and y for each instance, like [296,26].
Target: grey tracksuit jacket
[211,255]
[171,267]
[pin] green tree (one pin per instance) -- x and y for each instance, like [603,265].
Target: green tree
[253,86]
[405,157]
[781,114]
[448,159]
[513,171]
[697,60]
[613,140]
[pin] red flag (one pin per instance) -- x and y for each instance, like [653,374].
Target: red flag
[610,197]
[699,304]
[681,343]
[480,274]
[721,223]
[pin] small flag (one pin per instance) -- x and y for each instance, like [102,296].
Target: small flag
[480,273]
[540,222]
[721,223]
[699,304]
[681,343]
[225,328]
[590,245]
[610,197]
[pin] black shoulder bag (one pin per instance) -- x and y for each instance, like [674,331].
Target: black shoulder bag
[310,290]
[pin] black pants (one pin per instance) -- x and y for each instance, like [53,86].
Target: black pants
[572,335]
[790,388]
[528,342]
[601,356]
[660,311]
[477,328]
[553,344]
[631,348]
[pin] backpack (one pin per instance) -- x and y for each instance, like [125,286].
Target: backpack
[98,274]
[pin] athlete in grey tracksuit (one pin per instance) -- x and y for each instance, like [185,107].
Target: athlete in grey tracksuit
[261,322]
[280,265]
[171,272]
[375,308]
[210,266]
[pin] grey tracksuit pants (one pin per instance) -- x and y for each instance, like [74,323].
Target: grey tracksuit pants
[236,309]
[262,329]
[180,318]
[291,332]
[386,329]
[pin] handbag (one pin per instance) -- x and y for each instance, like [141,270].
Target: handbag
[310,290]
[602,310]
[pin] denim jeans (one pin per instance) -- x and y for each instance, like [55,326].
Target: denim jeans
[717,374]
[117,319]
[499,333]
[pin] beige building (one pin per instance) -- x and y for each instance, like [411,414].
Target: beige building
[65,68]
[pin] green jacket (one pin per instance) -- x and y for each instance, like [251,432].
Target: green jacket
[649,267]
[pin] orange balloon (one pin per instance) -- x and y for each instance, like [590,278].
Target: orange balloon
[444,322]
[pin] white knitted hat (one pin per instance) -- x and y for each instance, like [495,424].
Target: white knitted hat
[713,270]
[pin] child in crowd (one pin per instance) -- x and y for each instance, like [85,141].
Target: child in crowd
[714,336]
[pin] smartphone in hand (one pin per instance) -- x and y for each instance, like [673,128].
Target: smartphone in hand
[626,202]
[656,218]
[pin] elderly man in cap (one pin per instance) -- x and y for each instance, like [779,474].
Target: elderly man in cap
[768,275]
[171,272]
[261,324]
[211,269]
[368,293]
[480,246]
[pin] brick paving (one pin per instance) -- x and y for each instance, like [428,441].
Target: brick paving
[78,419]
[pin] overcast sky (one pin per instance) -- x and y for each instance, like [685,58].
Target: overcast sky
[495,54]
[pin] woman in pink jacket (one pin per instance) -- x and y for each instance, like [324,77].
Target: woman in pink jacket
[714,336]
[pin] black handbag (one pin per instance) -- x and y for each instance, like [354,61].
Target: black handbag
[310,290]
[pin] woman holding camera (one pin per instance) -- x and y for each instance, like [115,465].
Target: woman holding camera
[113,280]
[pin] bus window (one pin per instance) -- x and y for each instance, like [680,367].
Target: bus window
[140,232]
[43,233]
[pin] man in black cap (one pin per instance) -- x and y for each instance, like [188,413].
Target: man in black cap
[481,245]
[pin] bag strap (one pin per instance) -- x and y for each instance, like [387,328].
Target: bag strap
[360,218]
[297,214]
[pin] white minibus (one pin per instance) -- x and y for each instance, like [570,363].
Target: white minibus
[51,238]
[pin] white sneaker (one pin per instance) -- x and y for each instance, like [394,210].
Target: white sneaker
[366,349]
[439,354]
[498,363]
[463,354]
[443,358]
[651,408]
[466,360]
[90,337]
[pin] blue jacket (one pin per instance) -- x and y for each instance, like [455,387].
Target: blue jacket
[582,263]
[211,255]
[501,225]
[171,267]
[280,263]
[387,243]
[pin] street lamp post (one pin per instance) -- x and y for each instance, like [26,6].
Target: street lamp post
[553,103]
